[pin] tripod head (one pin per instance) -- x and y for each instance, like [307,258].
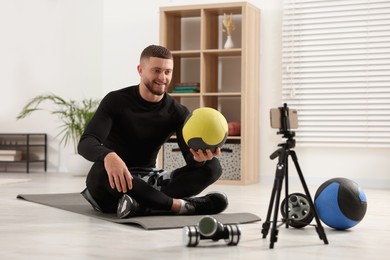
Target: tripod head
[285,119]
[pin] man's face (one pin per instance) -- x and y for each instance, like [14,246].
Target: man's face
[156,74]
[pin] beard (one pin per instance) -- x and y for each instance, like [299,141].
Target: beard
[155,89]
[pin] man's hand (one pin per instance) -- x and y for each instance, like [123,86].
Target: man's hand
[118,174]
[200,156]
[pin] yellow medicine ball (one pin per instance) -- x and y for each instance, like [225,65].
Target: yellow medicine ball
[205,128]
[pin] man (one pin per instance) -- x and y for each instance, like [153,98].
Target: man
[123,139]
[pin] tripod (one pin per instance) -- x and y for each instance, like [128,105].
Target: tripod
[283,154]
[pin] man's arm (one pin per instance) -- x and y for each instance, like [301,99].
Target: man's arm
[91,142]
[91,147]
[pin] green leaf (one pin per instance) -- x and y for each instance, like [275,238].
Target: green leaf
[73,115]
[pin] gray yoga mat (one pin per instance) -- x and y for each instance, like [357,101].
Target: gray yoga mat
[75,202]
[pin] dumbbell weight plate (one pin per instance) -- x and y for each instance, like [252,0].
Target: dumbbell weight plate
[234,235]
[191,236]
[208,226]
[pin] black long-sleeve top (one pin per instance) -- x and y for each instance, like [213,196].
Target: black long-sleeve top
[134,128]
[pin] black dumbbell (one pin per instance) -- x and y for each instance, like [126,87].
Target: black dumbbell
[210,228]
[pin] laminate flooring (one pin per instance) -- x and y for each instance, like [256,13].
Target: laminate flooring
[33,231]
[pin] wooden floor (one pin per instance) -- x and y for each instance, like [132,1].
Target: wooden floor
[32,231]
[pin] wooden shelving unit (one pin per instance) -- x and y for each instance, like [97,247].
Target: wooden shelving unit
[229,78]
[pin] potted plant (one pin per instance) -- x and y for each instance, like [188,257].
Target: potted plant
[73,114]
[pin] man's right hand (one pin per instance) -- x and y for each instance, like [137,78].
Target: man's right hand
[118,174]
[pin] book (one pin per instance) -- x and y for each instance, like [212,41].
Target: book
[185,91]
[10,155]
[187,84]
[187,87]
[10,152]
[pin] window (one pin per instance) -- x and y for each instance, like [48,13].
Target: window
[336,71]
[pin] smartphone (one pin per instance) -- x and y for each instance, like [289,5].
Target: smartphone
[276,118]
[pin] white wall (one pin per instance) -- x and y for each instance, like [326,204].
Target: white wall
[82,48]
[48,46]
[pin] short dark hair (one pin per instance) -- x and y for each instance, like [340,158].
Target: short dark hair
[156,51]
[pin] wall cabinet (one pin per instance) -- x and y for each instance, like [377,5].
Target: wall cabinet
[23,149]
[228,79]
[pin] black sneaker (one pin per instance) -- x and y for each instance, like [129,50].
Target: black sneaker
[127,207]
[212,203]
[87,195]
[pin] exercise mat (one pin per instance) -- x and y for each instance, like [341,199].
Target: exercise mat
[76,203]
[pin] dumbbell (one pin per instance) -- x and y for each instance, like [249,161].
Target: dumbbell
[210,228]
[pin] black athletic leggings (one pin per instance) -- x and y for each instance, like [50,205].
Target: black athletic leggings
[185,182]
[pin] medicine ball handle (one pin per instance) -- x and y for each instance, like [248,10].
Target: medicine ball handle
[226,150]
[283,153]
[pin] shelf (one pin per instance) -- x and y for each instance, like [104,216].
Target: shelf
[223,52]
[222,94]
[187,54]
[32,146]
[20,145]
[214,52]
[211,94]
[185,94]
[23,161]
[230,139]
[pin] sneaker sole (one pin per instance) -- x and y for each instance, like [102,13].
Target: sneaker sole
[126,202]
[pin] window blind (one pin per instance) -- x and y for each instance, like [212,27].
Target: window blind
[336,71]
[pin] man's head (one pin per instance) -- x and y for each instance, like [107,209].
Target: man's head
[156,51]
[155,70]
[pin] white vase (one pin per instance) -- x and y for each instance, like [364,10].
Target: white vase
[229,43]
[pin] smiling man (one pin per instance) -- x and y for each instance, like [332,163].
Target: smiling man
[156,74]
[124,138]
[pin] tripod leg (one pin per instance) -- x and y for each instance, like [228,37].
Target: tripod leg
[286,194]
[320,230]
[267,223]
[276,190]
[281,171]
[274,229]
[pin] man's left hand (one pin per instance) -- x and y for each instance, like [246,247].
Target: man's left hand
[201,156]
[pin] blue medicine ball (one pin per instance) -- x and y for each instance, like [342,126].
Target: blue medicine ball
[340,203]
